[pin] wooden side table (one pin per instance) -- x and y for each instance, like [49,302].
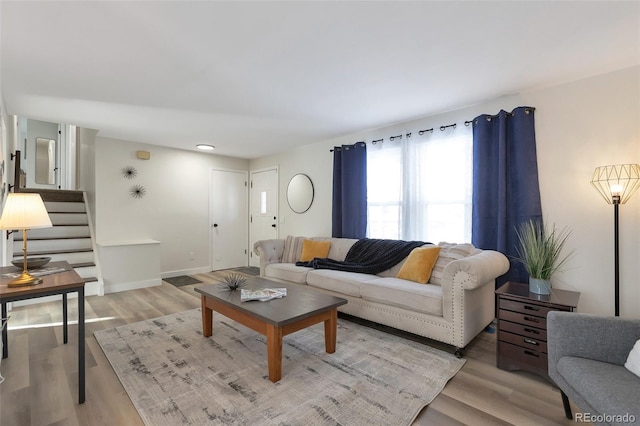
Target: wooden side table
[522,326]
[65,282]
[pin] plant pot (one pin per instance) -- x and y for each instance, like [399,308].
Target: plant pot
[539,286]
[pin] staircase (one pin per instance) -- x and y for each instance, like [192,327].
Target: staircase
[69,239]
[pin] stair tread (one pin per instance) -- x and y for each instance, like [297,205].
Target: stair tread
[89,279]
[79,237]
[45,252]
[82,264]
[66,211]
[57,195]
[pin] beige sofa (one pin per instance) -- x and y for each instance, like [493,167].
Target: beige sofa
[455,305]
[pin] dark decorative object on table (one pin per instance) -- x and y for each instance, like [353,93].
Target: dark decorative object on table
[233,281]
[129,172]
[32,262]
[137,191]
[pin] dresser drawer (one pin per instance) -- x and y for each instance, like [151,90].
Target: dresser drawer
[523,330]
[524,319]
[512,357]
[525,308]
[523,341]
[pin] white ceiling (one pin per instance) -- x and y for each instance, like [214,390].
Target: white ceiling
[255,78]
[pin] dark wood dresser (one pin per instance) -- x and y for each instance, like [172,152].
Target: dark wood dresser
[522,325]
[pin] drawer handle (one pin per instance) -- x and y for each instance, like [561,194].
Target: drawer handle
[531,330]
[532,354]
[532,308]
[536,320]
[530,341]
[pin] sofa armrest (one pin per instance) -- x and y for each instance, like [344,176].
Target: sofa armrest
[269,251]
[476,270]
[607,339]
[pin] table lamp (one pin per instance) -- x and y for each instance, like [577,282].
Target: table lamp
[24,211]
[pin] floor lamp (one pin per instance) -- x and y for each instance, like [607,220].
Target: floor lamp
[616,184]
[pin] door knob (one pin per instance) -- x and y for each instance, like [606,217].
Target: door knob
[215,225]
[273,226]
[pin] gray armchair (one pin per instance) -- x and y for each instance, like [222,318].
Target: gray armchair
[587,354]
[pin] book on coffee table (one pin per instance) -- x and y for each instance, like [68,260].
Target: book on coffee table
[262,294]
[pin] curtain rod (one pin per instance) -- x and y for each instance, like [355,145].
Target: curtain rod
[420,132]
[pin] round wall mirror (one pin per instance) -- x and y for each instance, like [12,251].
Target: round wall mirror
[300,193]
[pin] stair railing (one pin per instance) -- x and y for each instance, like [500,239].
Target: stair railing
[17,173]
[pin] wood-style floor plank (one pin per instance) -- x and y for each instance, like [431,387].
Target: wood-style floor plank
[41,386]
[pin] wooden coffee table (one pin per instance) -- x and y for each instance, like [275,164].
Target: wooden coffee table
[301,308]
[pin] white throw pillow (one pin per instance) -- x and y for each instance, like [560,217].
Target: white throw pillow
[448,253]
[292,249]
[633,360]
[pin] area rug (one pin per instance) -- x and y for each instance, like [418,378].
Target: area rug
[174,375]
[182,280]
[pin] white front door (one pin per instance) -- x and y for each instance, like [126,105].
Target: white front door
[229,214]
[264,208]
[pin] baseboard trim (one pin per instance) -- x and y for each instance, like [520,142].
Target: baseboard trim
[171,274]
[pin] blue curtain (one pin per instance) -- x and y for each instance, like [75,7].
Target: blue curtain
[350,191]
[505,183]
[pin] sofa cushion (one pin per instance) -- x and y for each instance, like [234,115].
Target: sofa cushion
[292,249]
[339,246]
[339,281]
[312,249]
[448,253]
[287,272]
[425,298]
[419,264]
[609,388]
[393,271]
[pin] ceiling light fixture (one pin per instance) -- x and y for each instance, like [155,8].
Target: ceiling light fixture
[205,147]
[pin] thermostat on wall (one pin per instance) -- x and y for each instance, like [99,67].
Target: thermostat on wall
[143,155]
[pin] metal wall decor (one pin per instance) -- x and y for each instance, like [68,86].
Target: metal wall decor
[137,191]
[129,172]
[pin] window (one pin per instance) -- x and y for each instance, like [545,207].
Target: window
[419,187]
[263,202]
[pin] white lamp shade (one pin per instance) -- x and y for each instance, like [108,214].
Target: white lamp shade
[24,211]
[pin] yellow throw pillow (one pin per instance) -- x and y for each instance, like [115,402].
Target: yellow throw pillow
[312,249]
[419,264]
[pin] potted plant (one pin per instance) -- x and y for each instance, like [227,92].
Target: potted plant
[540,251]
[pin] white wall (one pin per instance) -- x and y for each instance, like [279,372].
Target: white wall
[175,209]
[579,126]
[86,167]
[5,149]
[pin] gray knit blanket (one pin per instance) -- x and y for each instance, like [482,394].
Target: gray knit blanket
[368,256]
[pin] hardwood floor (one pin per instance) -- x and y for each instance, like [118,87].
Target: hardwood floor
[41,374]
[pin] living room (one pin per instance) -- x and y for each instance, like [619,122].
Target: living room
[583,120]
